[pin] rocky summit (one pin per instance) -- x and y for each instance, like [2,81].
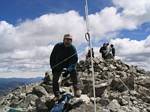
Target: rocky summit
[119,88]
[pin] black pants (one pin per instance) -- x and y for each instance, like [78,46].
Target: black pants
[56,76]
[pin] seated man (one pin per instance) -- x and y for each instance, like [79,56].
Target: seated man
[103,50]
[88,55]
[47,80]
[64,55]
[107,51]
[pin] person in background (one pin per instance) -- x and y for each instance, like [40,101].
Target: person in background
[113,51]
[107,51]
[103,50]
[88,55]
[47,80]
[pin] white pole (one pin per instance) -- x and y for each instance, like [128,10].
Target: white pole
[93,76]
[90,45]
[86,15]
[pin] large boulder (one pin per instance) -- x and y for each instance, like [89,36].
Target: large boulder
[40,91]
[41,106]
[48,88]
[114,106]
[121,85]
[145,81]
[29,100]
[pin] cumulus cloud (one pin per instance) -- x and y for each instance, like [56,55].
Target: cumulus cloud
[133,51]
[136,10]
[108,20]
[41,31]
[36,59]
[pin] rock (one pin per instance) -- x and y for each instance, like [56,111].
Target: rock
[99,89]
[84,108]
[104,101]
[105,69]
[85,99]
[114,106]
[41,106]
[105,110]
[144,82]
[125,109]
[117,85]
[123,101]
[141,71]
[40,91]
[122,74]
[144,94]
[87,86]
[135,109]
[48,88]
[148,109]
[29,100]
[121,85]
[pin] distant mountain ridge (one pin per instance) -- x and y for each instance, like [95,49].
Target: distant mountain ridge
[8,84]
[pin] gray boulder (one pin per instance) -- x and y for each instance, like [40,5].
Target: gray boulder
[40,91]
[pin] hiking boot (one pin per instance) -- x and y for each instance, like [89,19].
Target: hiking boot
[77,92]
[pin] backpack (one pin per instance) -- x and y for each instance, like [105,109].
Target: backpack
[60,105]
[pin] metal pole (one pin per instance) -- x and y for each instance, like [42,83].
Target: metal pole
[86,16]
[87,35]
[93,76]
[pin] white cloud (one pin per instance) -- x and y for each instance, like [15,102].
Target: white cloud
[36,59]
[108,20]
[50,28]
[8,39]
[136,10]
[134,7]
[41,31]
[133,51]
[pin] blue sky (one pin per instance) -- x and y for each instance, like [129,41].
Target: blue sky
[14,10]
[27,27]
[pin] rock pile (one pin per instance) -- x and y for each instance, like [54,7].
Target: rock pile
[119,88]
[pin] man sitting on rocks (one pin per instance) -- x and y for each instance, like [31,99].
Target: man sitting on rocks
[47,80]
[103,50]
[107,51]
[64,55]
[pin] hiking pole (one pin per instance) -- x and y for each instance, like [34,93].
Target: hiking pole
[88,38]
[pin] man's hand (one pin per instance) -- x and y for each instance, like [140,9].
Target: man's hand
[65,72]
[71,67]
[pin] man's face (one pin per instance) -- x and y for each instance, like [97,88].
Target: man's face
[67,41]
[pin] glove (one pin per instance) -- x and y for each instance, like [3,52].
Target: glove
[71,67]
[65,74]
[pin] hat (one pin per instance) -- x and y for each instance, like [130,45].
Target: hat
[67,36]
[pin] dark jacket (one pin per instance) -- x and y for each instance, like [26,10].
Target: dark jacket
[103,51]
[47,80]
[63,57]
[89,54]
[113,51]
